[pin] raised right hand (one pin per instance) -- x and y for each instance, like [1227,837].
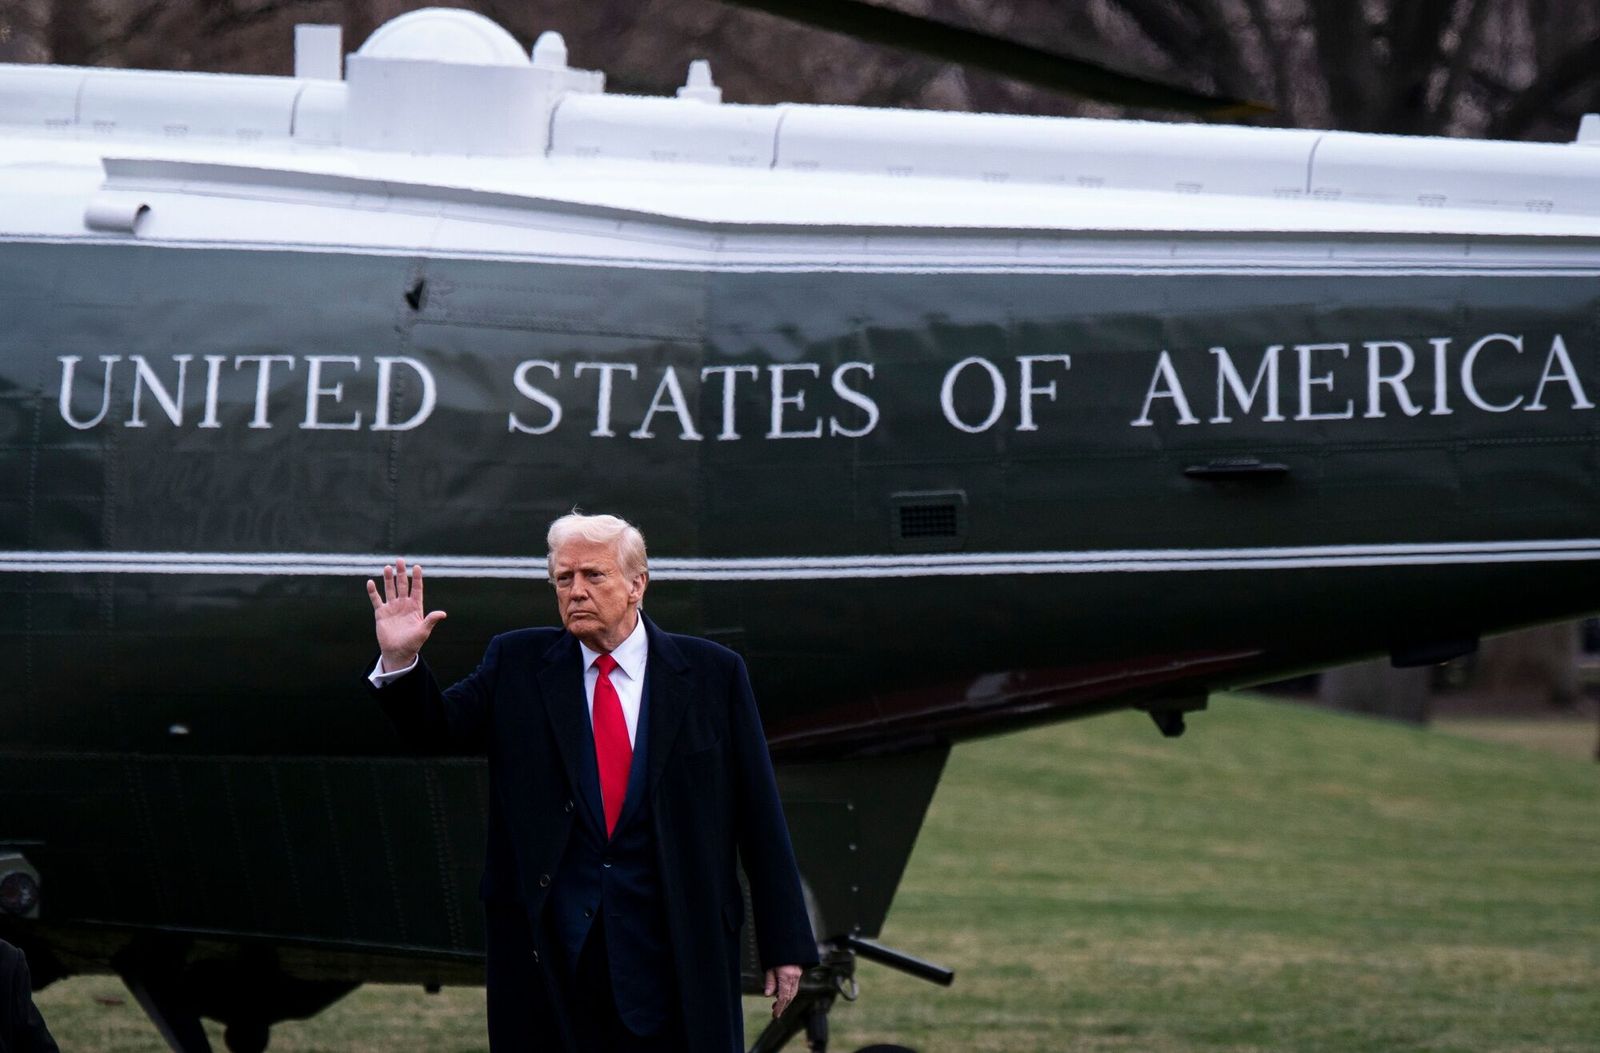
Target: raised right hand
[401,625]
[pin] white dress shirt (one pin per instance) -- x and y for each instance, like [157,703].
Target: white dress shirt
[628,677]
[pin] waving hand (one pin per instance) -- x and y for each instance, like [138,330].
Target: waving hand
[399,616]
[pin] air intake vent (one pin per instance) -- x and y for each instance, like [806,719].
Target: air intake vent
[925,521]
[929,521]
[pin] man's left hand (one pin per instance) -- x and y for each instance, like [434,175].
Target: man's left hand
[784,982]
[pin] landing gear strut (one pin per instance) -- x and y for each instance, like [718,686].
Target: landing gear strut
[247,992]
[154,976]
[834,978]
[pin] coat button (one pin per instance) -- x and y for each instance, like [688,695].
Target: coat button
[606,862]
[544,880]
[588,913]
[536,956]
[568,806]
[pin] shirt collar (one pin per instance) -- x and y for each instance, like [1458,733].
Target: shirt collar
[630,653]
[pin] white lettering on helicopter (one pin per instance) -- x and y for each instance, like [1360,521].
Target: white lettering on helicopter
[1325,390]
[997,393]
[392,393]
[793,394]
[1307,382]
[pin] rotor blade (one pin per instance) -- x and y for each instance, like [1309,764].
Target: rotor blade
[967,47]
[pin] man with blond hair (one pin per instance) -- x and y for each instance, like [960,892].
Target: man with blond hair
[630,778]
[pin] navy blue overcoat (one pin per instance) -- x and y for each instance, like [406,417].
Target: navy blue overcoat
[711,797]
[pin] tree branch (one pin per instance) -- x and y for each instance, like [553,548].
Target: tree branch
[1164,25]
[1415,50]
[137,27]
[1229,63]
[1579,68]
[1270,36]
[1345,51]
[67,34]
[1460,61]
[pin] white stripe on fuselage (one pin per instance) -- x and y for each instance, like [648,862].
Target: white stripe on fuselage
[816,568]
[824,255]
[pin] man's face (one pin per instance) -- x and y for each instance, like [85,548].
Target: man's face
[596,597]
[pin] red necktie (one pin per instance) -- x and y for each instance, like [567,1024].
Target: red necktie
[612,750]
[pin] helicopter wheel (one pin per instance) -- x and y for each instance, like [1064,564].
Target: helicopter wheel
[247,1038]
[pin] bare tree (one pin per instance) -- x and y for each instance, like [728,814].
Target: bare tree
[1511,69]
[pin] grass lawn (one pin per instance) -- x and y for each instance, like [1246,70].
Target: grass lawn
[1280,879]
[1570,736]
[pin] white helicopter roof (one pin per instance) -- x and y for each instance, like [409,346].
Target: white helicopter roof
[441,133]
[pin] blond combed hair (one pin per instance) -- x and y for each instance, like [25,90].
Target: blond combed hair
[601,529]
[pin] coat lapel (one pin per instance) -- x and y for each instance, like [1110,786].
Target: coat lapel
[667,698]
[561,683]
[641,756]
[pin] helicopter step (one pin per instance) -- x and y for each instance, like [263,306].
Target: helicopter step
[834,978]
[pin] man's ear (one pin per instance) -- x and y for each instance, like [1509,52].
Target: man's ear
[641,583]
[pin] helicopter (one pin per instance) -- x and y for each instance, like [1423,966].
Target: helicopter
[951,424]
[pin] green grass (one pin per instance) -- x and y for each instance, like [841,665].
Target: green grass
[1279,879]
[1570,736]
